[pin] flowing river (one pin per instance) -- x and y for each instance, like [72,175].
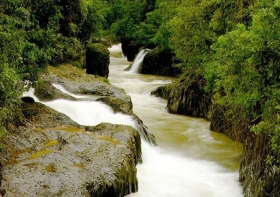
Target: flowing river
[190,161]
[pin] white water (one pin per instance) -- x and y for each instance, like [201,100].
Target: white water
[190,161]
[89,113]
[138,61]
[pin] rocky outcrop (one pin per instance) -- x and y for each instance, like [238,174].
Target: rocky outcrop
[163,91]
[97,60]
[160,62]
[131,48]
[76,81]
[234,129]
[188,97]
[259,174]
[54,156]
[259,177]
[45,91]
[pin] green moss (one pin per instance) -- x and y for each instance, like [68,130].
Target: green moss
[69,72]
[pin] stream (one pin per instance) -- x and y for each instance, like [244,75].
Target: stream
[190,161]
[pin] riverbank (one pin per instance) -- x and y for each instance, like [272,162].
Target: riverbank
[258,172]
[48,154]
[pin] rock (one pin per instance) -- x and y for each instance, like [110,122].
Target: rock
[125,106]
[76,81]
[163,91]
[259,177]
[54,156]
[45,91]
[118,104]
[160,62]
[188,97]
[132,47]
[97,60]
[220,123]
[27,99]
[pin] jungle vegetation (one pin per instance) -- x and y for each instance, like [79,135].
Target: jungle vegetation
[234,44]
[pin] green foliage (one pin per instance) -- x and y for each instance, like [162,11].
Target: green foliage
[100,49]
[11,88]
[36,33]
[243,73]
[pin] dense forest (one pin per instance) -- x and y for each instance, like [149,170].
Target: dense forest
[233,44]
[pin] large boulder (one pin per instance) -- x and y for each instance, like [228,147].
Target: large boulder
[54,156]
[160,62]
[130,48]
[188,97]
[163,91]
[45,91]
[97,60]
[76,81]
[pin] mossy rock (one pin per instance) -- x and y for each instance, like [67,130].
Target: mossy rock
[188,97]
[160,62]
[163,91]
[97,60]
[45,91]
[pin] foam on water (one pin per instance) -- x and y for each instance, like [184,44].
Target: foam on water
[179,171]
[167,174]
[89,113]
[138,61]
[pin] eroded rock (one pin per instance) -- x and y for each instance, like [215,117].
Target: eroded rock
[77,81]
[160,62]
[54,156]
[188,97]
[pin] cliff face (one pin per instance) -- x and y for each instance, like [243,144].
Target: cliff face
[186,96]
[258,177]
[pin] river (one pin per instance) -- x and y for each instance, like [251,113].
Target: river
[190,161]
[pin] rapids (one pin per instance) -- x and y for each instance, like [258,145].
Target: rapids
[191,161]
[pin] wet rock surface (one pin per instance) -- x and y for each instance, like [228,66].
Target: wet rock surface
[54,156]
[258,176]
[97,60]
[160,62]
[188,97]
[77,81]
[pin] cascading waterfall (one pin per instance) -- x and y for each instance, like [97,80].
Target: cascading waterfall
[190,161]
[138,61]
[85,112]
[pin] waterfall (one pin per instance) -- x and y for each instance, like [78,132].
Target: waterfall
[190,161]
[85,112]
[138,61]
